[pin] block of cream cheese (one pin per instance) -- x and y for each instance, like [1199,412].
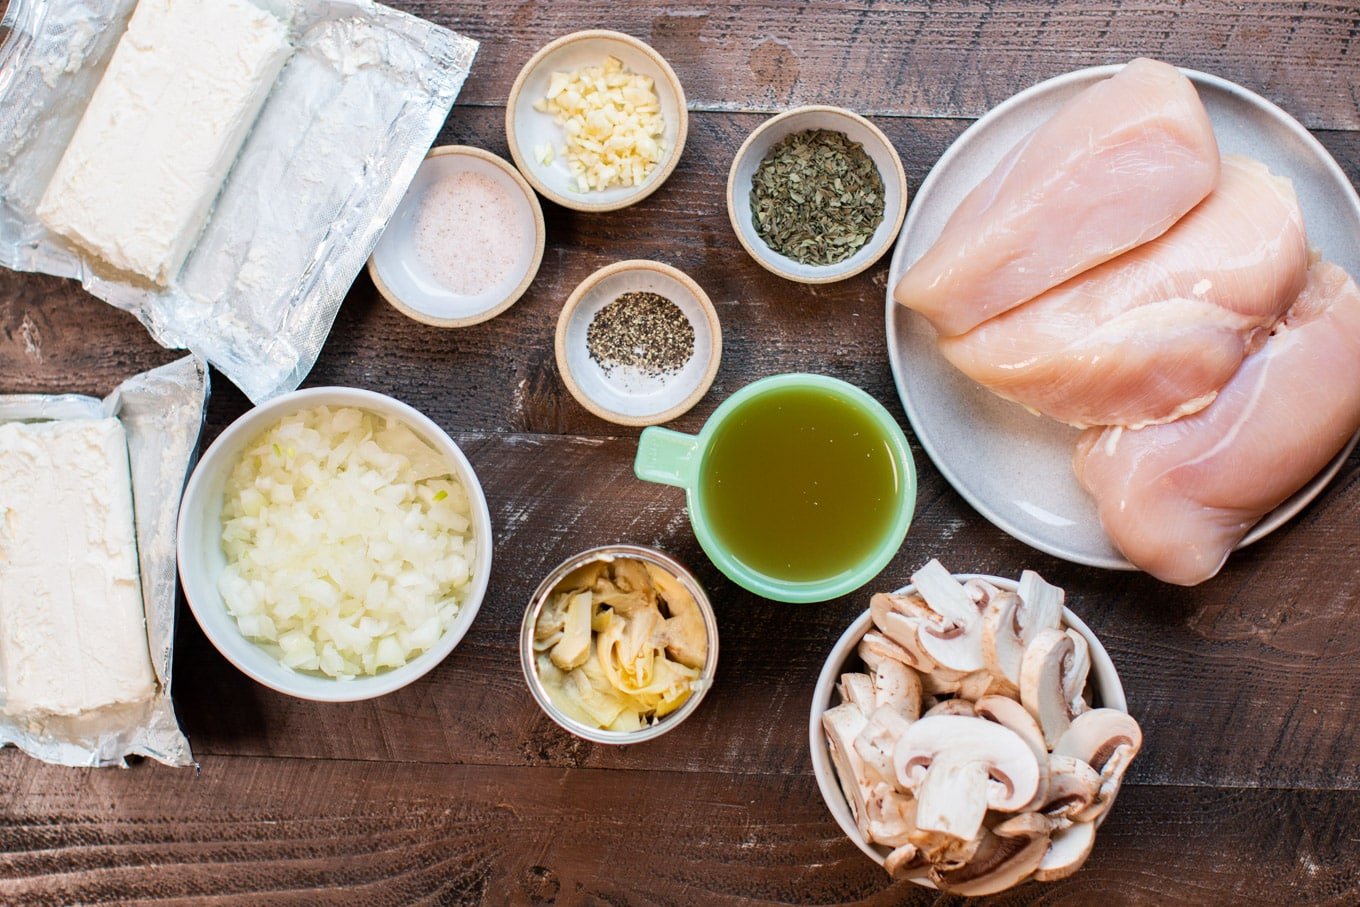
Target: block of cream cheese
[181,91]
[72,624]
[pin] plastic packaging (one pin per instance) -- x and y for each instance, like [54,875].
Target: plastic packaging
[338,140]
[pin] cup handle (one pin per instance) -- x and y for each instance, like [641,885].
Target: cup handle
[665,456]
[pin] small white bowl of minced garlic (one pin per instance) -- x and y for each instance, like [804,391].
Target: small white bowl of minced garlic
[596,120]
[619,644]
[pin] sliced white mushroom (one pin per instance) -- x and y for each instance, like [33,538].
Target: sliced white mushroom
[898,686]
[977,684]
[1043,605]
[875,648]
[1073,787]
[953,637]
[891,815]
[1007,855]
[951,707]
[981,592]
[842,725]
[897,617]
[1106,740]
[1041,682]
[859,689]
[1002,647]
[906,862]
[1068,849]
[959,767]
[1075,673]
[1010,713]
[877,741]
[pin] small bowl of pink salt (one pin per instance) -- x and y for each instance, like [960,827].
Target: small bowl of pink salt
[465,242]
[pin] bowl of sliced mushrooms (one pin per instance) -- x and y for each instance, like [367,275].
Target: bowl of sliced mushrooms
[619,644]
[969,733]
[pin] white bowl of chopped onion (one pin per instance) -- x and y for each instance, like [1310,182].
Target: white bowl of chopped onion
[334,544]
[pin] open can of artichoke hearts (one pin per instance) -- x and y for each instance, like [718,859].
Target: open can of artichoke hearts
[619,644]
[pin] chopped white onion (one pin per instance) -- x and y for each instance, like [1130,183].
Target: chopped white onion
[348,541]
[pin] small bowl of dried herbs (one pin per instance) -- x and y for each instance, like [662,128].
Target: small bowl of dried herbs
[816,194]
[638,343]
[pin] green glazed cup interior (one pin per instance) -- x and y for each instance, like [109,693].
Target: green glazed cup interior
[673,458]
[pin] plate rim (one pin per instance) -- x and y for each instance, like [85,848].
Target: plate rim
[1269,523]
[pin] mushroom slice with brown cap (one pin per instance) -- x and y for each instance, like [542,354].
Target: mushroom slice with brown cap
[1073,787]
[1041,682]
[1106,740]
[958,767]
[1007,855]
[954,637]
[906,862]
[898,686]
[1068,849]
[859,689]
[842,725]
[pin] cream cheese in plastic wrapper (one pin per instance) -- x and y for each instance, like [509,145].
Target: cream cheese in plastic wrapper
[328,158]
[161,415]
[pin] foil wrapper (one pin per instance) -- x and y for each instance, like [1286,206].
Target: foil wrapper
[335,146]
[162,413]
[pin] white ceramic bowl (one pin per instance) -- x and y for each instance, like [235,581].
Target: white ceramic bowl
[627,400]
[527,129]
[201,559]
[412,287]
[540,597]
[801,119]
[1104,682]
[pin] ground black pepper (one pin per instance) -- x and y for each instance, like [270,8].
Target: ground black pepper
[643,330]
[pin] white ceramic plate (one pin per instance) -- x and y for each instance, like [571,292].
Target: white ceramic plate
[1015,468]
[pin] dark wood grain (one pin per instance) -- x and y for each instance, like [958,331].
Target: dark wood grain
[951,58]
[458,790]
[279,831]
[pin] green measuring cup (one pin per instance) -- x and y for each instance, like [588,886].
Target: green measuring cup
[672,458]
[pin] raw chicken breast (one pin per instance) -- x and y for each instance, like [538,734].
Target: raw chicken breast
[1153,334]
[1115,167]
[1177,498]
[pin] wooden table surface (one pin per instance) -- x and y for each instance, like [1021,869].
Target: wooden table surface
[458,789]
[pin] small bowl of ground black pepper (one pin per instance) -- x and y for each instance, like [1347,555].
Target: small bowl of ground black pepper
[638,343]
[816,194]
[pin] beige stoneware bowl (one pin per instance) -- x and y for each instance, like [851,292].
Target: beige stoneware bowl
[801,119]
[408,284]
[612,397]
[527,129]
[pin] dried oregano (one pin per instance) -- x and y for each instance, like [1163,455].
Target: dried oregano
[816,197]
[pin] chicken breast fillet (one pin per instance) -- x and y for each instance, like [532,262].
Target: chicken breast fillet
[1177,498]
[1116,166]
[1153,334]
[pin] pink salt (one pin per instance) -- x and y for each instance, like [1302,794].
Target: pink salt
[468,233]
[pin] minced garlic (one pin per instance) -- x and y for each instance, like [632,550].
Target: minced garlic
[612,122]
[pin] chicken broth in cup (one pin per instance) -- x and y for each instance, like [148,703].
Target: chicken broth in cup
[800,484]
[800,487]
